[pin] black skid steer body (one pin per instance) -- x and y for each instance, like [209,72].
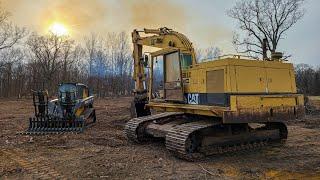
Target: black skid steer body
[72,111]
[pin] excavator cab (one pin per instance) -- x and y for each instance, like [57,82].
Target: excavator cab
[167,77]
[173,86]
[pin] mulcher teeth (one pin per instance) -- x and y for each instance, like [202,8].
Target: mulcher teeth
[46,125]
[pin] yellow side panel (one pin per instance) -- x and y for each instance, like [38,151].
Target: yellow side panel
[202,81]
[279,80]
[193,80]
[215,81]
[233,103]
[196,81]
[230,78]
[243,76]
[258,101]
[79,111]
[284,101]
[300,100]
[250,79]
[293,80]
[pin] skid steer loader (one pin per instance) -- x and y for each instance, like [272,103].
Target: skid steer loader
[229,104]
[72,111]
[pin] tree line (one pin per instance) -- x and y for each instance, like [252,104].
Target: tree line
[308,79]
[44,61]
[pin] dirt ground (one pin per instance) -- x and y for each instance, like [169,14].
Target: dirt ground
[102,151]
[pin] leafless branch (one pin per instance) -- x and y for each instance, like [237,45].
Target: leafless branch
[261,19]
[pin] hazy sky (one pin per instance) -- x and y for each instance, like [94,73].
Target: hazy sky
[205,22]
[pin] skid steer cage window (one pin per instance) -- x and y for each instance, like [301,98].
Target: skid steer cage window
[67,93]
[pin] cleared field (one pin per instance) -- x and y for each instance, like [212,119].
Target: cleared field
[314,101]
[315,98]
[102,151]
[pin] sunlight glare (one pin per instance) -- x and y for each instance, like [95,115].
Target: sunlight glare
[58,29]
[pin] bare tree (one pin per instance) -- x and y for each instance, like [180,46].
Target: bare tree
[79,66]
[49,54]
[307,79]
[13,58]
[91,43]
[68,60]
[119,62]
[10,35]
[49,60]
[209,53]
[264,19]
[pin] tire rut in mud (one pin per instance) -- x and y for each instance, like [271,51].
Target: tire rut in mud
[38,171]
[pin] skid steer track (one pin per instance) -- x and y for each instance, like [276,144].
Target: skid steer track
[38,171]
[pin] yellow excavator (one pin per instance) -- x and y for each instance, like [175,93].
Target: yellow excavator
[225,105]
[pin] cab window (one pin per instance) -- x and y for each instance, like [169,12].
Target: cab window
[186,61]
[80,92]
[67,92]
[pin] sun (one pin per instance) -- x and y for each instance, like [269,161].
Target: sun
[58,29]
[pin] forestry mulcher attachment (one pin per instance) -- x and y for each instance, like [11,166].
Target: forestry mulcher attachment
[71,112]
[213,107]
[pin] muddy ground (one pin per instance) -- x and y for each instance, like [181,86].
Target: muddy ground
[102,151]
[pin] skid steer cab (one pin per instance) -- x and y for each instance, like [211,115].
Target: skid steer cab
[72,111]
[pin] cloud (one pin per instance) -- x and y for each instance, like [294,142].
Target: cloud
[79,15]
[211,34]
[97,14]
[155,13]
[86,16]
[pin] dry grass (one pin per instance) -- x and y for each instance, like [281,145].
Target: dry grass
[314,98]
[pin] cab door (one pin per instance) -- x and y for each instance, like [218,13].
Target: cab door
[173,87]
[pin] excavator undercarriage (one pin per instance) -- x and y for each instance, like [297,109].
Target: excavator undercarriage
[192,137]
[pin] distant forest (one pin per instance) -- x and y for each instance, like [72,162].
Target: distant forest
[33,61]
[308,79]
[104,63]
